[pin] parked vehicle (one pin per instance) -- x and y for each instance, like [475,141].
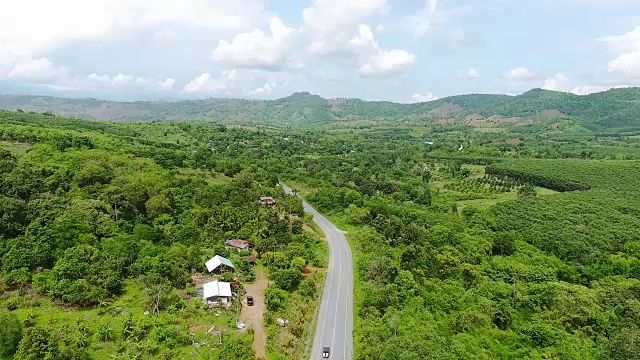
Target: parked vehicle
[250,300]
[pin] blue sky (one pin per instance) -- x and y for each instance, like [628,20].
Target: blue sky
[397,50]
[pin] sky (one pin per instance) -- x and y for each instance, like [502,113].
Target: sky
[395,50]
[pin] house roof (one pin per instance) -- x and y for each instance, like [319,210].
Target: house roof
[216,261]
[238,243]
[216,288]
[266,198]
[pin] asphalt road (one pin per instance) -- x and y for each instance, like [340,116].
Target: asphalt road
[335,320]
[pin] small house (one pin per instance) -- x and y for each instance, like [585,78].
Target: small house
[219,265]
[267,200]
[238,244]
[216,293]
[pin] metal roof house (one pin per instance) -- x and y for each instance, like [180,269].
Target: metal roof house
[219,264]
[237,244]
[267,200]
[216,292]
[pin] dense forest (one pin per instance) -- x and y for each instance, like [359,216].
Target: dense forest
[516,244]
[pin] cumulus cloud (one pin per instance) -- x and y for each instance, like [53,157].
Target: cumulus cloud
[249,83]
[626,48]
[470,73]
[591,89]
[205,83]
[369,58]
[26,31]
[557,83]
[520,74]
[626,42]
[257,49]
[627,65]
[387,63]
[264,90]
[336,29]
[120,81]
[418,98]
[37,70]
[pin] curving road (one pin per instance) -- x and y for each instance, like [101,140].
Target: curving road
[335,320]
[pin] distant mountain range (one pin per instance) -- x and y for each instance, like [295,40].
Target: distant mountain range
[614,109]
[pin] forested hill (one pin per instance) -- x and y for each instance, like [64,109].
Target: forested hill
[614,109]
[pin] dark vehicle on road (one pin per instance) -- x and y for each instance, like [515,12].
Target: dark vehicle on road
[250,300]
[325,352]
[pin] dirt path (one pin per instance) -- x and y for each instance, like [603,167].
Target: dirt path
[253,316]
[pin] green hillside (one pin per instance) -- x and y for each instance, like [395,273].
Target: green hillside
[615,109]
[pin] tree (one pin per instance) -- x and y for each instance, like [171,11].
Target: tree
[504,243]
[287,279]
[274,298]
[10,333]
[298,263]
[237,350]
[83,277]
[625,344]
[38,344]
[527,192]
[157,206]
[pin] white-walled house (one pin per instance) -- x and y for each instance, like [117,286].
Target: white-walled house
[216,293]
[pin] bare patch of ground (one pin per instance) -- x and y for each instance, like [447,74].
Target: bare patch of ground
[199,279]
[445,109]
[253,316]
[552,114]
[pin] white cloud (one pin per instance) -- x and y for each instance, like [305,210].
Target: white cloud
[119,81]
[557,83]
[372,60]
[337,15]
[627,65]
[470,73]
[335,30]
[168,84]
[626,46]
[264,90]
[626,42]
[520,74]
[251,83]
[423,21]
[37,70]
[32,27]
[423,98]
[361,47]
[387,63]
[590,89]
[257,49]
[205,83]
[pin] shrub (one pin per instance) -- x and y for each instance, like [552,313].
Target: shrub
[275,298]
[38,344]
[287,279]
[10,333]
